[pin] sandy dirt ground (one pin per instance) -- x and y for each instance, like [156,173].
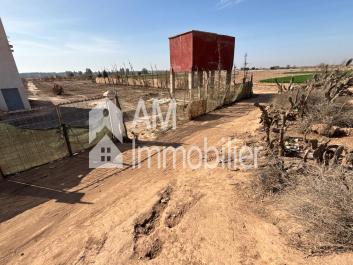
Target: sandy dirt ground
[72,215]
[40,92]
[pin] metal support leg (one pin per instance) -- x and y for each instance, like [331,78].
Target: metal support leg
[200,83]
[172,83]
[191,83]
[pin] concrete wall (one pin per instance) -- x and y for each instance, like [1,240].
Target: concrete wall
[9,76]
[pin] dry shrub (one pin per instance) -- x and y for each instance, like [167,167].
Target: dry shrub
[338,113]
[326,98]
[322,202]
[58,90]
[317,199]
[280,101]
[319,110]
[272,179]
[318,203]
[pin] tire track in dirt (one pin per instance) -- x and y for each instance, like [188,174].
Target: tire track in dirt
[149,231]
[175,215]
[147,246]
[92,248]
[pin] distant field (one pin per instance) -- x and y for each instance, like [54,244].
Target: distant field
[299,79]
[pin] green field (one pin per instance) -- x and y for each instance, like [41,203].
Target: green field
[299,79]
[299,73]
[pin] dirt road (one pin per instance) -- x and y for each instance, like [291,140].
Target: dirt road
[71,215]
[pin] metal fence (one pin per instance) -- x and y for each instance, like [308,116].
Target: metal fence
[36,137]
[32,138]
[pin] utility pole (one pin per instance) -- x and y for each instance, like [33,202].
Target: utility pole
[132,69]
[245,67]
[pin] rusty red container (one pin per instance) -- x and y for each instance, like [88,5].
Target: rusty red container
[201,51]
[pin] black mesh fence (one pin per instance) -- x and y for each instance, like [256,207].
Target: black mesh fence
[32,138]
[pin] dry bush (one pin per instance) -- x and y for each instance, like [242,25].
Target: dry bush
[322,203]
[319,110]
[316,195]
[325,99]
[272,179]
[318,204]
[58,90]
[337,113]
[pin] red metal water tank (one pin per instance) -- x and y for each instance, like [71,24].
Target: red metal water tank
[201,51]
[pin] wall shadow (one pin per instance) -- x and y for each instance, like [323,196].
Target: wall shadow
[56,180]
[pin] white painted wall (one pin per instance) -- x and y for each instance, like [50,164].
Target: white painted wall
[9,76]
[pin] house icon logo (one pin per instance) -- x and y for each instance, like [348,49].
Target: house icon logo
[105,155]
[106,116]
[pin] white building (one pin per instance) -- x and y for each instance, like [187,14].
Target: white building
[12,94]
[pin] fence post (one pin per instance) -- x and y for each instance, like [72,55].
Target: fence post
[191,84]
[63,126]
[172,83]
[67,140]
[212,81]
[125,137]
[199,83]
[207,84]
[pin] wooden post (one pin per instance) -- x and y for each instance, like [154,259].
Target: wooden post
[172,83]
[125,137]
[200,83]
[65,134]
[228,81]
[282,131]
[219,80]
[228,77]
[212,82]
[191,83]
[207,84]
[67,140]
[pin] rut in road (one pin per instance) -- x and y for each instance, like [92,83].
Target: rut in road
[146,247]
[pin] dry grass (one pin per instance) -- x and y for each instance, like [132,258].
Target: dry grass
[317,202]
[337,113]
[323,204]
[320,111]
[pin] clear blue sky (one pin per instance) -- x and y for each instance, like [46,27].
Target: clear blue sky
[53,35]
